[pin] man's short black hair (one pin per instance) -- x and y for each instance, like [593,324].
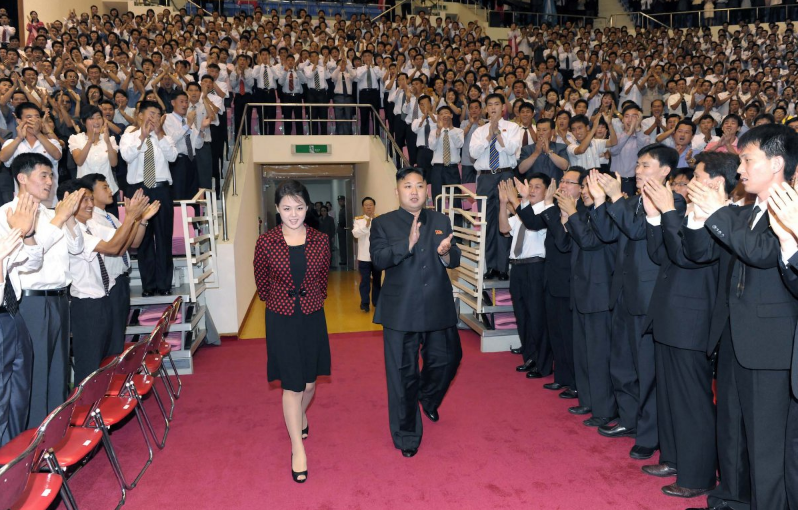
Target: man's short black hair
[723,164]
[404,172]
[177,94]
[27,105]
[774,140]
[92,179]
[579,119]
[666,156]
[27,162]
[495,96]
[149,104]
[540,175]
[363,202]
[72,186]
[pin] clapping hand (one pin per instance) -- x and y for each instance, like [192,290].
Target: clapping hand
[445,246]
[661,196]
[783,203]
[706,199]
[566,203]
[595,189]
[415,232]
[23,218]
[611,186]
[548,199]
[523,189]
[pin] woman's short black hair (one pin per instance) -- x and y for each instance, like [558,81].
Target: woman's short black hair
[294,189]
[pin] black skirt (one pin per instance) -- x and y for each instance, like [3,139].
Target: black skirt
[297,345]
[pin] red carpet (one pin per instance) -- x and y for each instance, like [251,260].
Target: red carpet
[502,442]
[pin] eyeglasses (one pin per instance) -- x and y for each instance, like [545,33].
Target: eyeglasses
[569,182]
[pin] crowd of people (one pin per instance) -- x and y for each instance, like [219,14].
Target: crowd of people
[607,156]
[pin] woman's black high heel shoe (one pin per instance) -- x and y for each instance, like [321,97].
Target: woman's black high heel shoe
[305,432]
[295,475]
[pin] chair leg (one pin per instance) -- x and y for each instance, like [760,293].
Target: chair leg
[162,443]
[66,493]
[112,453]
[163,375]
[177,376]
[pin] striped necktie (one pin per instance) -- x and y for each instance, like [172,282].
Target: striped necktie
[494,155]
[124,255]
[149,165]
[103,270]
[447,150]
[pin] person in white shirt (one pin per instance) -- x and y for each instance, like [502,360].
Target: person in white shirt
[206,108]
[446,142]
[343,76]
[291,81]
[266,76]
[243,83]
[90,320]
[95,151]
[370,278]
[423,127]
[17,254]
[148,152]
[45,307]
[32,136]
[493,147]
[316,79]
[681,103]
[587,150]
[412,112]
[181,127]
[368,78]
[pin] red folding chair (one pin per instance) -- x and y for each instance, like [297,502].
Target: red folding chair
[166,351]
[21,488]
[153,366]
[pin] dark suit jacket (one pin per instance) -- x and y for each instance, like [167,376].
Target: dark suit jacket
[790,277]
[635,273]
[763,318]
[417,293]
[557,268]
[273,272]
[592,264]
[684,295]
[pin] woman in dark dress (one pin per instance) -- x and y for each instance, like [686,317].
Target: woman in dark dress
[292,262]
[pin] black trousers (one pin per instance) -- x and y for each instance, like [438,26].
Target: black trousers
[424,162]
[266,113]
[370,281]
[155,251]
[342,246]
[560,326]
[632,368]
[388,107]
[400,129]
[343,113]
[468,174]
[204,165]
[412,148]
[497,246]
[370,97]
[441,176]
[47,320]
[408,386]
[92,328]
[119,299]
[791,455]
[292,112]
[16,372]
[185,181]
[319,127]
[592,362]
[526,292]
[686,415]
[240,101]
[218,138]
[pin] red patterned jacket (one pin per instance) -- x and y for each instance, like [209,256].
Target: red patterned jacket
[273,272]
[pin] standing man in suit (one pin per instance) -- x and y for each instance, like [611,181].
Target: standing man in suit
[341,230]
[762,312]
[592,265]
[632,362]
[370,278]
[413,245]
[679,315]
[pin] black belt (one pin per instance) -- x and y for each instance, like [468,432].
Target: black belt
[529,260]
[292,93]
[498,170]
[445,166]
[369,90]
[627,179]
[158,184]
[49,292]
[3,309]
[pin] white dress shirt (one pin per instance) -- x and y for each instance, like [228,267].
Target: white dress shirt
[176,127]
[25,147]
[480,145]
[114,264]
[97,161]
[285,80]
[337,76]
[87,282]
[22,260]
[456,137]
[419,127]
[310,77]
[362,78]
[263,70]
[132,148]
[247,79]
[534,240]
[201,115]
[361,231]
[592,155]
[56,245]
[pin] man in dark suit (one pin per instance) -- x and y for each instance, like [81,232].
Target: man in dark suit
[760,316]
[680,315]
[592,264]
[632,354]
[413,245]
[556,282]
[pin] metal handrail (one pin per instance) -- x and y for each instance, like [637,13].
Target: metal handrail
[230,174]
[701,13]
[539,15]
[383,13]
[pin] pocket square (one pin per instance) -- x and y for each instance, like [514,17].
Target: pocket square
[438,232]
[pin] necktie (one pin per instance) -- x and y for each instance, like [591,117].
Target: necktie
[659,129]
[266,77]
[290,82]
[343,84]
[189,147]
[103,270]
[415,110]
[426,133]
[525,140]
[316,80]
[741,281]
[10,297]
[149,164]
[241,87]
[368,77]
[519,241]
[684,107]
[494,155]
[124,255]
[567,62]
[447,150]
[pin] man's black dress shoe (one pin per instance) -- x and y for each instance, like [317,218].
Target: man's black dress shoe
[526,367]
[683,492]
[616,431]
[432,415]
[503,276]
[490,274]
[568,393]
[660,470]
[365,308]
[579,410]
[409,452]
[553,386]
[164,292]
[534,374]
[641,452]
[147,293]
[516,351]
[598,421]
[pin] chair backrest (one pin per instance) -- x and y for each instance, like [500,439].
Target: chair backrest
[131,360]
[156,336]
[14,475]
[93,388]
[176,305]
[56,424]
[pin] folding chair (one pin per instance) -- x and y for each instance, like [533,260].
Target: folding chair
[21,488]
[166,350]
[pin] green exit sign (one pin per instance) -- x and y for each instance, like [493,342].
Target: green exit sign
[311,149]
